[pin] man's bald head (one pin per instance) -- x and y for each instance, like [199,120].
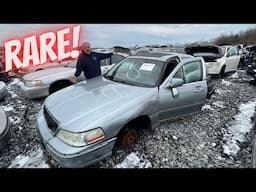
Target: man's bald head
[86,48]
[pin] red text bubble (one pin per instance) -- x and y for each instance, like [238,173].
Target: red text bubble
[39,49]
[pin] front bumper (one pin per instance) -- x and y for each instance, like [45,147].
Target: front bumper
[69,156]
[34,92]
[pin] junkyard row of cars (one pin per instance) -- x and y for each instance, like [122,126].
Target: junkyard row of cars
[135,92]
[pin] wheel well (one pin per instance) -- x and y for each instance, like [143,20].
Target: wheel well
[139,123]
[59,85]
[223,67]
[39,69]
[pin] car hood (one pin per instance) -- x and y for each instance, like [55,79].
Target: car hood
[47,73]
[78,106]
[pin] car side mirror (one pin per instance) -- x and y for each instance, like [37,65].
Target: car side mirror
[176,82]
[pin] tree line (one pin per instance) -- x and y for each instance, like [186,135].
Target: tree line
[247,37]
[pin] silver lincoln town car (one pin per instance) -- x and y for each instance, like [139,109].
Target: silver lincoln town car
[84,123]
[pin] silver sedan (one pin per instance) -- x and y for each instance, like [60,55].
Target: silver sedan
[86,122]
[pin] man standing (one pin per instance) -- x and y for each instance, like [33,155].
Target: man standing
[89,63]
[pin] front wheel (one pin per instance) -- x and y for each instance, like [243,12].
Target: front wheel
[126,138]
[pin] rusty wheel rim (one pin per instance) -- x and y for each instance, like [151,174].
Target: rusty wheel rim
[129,138]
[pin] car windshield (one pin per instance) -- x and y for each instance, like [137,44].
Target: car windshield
[138,72]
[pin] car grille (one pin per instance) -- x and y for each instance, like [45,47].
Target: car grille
[52,124]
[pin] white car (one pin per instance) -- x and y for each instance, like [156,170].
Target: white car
[26,70]
[219,60]
[45,82]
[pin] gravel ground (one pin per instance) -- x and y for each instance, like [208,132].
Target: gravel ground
[195,141]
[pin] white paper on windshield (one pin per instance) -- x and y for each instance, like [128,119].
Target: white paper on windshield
[147,66]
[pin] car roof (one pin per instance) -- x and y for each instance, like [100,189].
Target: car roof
[161,57]
[156,53]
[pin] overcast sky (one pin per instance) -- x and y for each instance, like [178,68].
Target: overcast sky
[109,35]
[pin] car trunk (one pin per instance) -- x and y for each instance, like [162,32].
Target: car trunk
[209,53]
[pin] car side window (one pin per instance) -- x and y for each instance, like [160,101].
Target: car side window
[193,71]
[232,51]
[169,68]
[179,74]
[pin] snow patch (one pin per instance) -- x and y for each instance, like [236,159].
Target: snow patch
[236,133]
[8,108]
[14,95]
[219,104]
[15,81]
[33,159]
[133,161]
[15,119]
[221,92]
[235,76]
[206,107]
[224,82]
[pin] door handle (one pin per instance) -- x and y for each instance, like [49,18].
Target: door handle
[198,88]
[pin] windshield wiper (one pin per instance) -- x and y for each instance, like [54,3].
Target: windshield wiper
[119,81]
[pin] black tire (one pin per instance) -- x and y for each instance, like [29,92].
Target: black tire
[58,86]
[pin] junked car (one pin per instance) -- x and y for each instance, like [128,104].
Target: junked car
[3,90]
[4,129]
[249,59]
[86,122]
[45,82]
[219,60]
[26,70]
[47,65]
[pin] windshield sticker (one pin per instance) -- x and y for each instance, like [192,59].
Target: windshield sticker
[147,66]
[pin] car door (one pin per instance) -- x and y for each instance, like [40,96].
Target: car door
[232,59]
[187,98]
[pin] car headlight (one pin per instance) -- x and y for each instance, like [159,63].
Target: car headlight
[33,83]
[81,139]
